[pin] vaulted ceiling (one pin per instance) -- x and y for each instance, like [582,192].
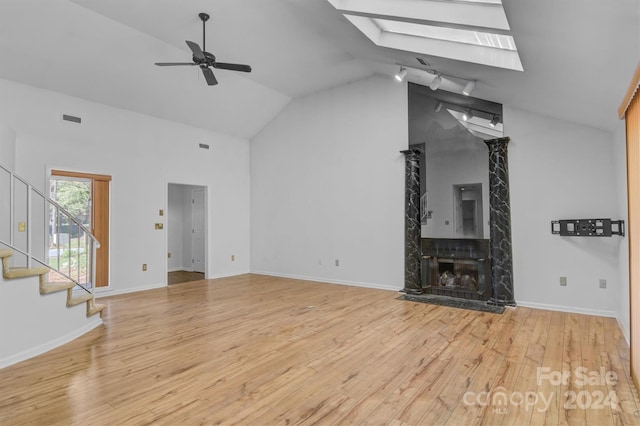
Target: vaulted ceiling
[578,56]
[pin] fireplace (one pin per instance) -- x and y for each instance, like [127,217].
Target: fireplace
[456,268]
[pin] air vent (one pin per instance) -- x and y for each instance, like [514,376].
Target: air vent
[423,62]
[72,118]
[203,145]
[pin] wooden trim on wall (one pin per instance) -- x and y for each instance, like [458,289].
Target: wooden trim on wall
[628,97]
[632,124]
[102,178]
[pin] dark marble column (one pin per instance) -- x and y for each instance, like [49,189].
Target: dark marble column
[500,224]
[412,252]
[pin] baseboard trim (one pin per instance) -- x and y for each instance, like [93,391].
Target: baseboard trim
[624,330]
[113,292]
[227,275]
[570,309]
[94,322]
[329,280]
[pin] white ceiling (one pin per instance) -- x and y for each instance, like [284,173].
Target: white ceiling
[578,56]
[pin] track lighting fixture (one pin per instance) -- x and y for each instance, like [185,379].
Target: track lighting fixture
[437,80]
[438,106]
[435,83]
[401,74]
[494,121]
[467,115]
[468,88]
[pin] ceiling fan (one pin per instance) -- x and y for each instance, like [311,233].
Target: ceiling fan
[204,59]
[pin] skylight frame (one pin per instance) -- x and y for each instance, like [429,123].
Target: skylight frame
[456,35]
[472,13]
[490,56]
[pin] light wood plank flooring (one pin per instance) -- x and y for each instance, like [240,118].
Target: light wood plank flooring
[260,350]
[179,277]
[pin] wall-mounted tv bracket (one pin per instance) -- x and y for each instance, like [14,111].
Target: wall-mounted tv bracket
[587,227]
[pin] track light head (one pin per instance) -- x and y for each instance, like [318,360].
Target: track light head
[494,121]
[438,106]
[401,74]
[468,88]
[467,115]
[435,83]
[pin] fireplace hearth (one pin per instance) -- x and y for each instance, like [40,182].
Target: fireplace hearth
[456,268]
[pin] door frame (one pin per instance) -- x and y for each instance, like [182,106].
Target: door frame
[207,269]
[102,177]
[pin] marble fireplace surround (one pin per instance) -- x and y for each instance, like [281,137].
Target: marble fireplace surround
[499,224]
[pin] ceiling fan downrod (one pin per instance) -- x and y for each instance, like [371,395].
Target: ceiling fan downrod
[205,18]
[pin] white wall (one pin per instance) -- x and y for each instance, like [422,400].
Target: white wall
[561,170]
[620,168]
[142,154]
[327,183]
[7,146]
[448,168]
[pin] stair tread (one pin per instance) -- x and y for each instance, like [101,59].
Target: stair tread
[13,273]
[79,299]
[94,309]
[56,286]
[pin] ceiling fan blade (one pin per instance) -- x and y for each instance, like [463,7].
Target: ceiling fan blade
[232,67]
[197,52]
[172,64]
[208,75]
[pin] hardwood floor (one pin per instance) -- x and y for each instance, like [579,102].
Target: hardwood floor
[179,277]
[260,350]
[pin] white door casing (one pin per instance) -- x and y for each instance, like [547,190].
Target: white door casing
[197,230]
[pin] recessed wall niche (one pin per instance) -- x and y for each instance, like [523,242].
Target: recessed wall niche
[457,213]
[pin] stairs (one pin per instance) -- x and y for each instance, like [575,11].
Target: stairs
[46,287]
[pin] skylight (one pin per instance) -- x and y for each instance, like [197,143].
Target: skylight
[471,30]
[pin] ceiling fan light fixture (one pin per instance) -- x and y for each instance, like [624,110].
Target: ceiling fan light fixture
[402,73]
[435,83]
[468,88]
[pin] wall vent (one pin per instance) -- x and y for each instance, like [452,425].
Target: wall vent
[203,145]
[72,118]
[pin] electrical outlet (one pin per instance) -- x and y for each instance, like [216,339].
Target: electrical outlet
[169,255]
[603,283]
[144,266]
[563,281]
[233,257]
[337,262]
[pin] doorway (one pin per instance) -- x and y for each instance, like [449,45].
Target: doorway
[186,233]
[86,197]
[467,212]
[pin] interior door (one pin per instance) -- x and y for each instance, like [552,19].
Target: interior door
[198,229]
